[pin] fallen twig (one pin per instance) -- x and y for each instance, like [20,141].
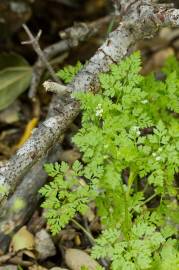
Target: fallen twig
[71,38]
[55,88]
[27,191]
[12,218]
[142,20]
[34,41]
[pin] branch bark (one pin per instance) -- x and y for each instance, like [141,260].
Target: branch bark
[71,38]
[27,191]
[141,19]
[34,41]
[12,217]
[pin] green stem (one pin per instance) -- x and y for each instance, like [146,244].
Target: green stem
[110,27]
[130,182]
[146,201]
[126,198]
[127,217]
[90,237]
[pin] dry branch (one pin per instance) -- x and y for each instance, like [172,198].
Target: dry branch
[27,191]
[71,38]
[55,88]
[11,217]
[141,19]
[34,41]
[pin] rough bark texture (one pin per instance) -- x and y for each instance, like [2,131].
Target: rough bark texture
[72,37]
[141,19]
[27,191]
[11,217]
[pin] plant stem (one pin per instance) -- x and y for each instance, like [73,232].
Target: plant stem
[130,182]
[148,199]
[90,237]
[127,195]
[126,221]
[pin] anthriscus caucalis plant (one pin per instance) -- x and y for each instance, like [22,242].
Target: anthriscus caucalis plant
[129,142]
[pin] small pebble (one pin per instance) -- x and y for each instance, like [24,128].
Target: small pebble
[8,267]
[76,258]
[44,245]
[58,268]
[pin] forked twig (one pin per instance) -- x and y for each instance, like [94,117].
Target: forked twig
[27,191]
[71,37]
[34,41]
[144,22]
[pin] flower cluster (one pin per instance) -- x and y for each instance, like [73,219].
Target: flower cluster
[99,110]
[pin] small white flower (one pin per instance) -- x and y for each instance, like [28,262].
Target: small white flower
[99,113]
[99,110]
[145,101]
[158,158]
[138,132]
[135,128]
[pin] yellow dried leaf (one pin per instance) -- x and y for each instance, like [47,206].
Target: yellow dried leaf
[23,239]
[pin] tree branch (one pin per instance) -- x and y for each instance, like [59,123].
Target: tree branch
[71,38]
[141,20]
[27,191]
[34,41]
[12,217]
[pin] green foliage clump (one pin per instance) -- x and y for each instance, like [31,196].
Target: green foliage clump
[65,195]
[129,142]
[69,72]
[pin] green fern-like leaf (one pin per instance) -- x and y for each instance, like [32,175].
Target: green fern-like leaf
[69,72]
[129,141]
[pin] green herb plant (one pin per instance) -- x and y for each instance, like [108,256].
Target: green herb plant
[129,142]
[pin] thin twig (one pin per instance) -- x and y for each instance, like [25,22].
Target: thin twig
[18,261]
[55,88]
[27,191]
[72,36]
[70,3]
[34,41]
[144,22]
[117,6]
